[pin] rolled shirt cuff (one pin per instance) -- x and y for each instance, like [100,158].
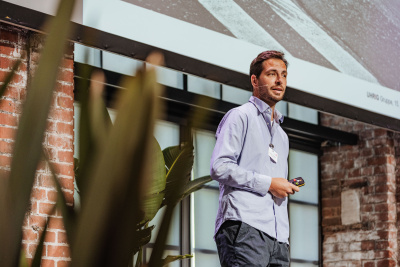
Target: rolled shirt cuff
[262,184]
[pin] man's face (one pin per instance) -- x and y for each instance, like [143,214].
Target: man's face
[270,86]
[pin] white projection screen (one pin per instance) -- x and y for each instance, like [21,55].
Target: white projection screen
[345,51]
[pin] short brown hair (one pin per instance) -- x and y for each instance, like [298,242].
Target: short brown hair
[256,65]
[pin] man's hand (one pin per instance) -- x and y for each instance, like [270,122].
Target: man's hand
[280,187]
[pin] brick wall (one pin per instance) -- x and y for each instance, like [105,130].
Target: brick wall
[359,203]
[58,140]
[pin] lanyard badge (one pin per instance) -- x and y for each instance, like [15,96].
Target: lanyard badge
[272,153]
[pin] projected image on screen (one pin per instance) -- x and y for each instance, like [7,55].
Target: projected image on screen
[343,51]
[353,37]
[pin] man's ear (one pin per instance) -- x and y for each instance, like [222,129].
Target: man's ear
[254,83]
[254,80]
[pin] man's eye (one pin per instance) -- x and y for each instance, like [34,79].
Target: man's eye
[271,74]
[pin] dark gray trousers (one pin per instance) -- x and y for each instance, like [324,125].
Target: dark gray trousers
[239,244]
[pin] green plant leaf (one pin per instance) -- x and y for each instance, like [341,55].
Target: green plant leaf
[170,258]
[30,132]
[195,185]
[86,145]
[179,175]
[142,238]
[170,154]
[156,184]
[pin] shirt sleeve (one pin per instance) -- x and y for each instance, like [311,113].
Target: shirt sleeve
[224,162]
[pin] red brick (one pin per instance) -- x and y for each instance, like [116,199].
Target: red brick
[62,237]
[386,263]
[45,180]
[45,208]
[8,63]
[50,237]
[66,170]
[37,221]
[56,223]
[51,126]
[67,64]
[52,195]
[30,235]
[10,106]
[13,92]
[65,156]
[331,221]
[66,76]
[11,51]
[367,245]
[64,128]
[39,194]
[6,147]
[67,89]
[5,161]
[63,115]
[17,78]
[48,263]
[332,202]
[62,142]
[58,251]
[8,119]
[377,160]
[7,133]
[65,102]
[11,36]
[63,263]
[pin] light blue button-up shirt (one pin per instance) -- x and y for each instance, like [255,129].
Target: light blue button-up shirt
[243,168]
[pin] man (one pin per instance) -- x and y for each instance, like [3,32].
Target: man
[250,163]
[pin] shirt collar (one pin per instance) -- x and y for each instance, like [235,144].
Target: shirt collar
[265,108]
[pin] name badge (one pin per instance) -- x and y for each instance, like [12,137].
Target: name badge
[273,155]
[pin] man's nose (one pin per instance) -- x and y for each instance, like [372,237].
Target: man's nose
[278,80]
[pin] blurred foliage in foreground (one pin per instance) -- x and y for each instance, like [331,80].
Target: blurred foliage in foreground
[123,176]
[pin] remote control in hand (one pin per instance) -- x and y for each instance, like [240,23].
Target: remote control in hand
[297,181]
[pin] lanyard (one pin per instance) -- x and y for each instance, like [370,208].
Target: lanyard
[271,127]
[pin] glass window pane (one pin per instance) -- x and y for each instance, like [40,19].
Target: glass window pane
[205,212]
[235,95]
[120,64]
[206,259]
[296,264]
[168,77]
[166,133]
[303,231]
[301,113]
[303,164]
[282,106]
[204,87]
[83,53]
[173,235]
[204,142]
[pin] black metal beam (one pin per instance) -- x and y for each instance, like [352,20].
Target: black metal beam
[34,20]
[181,105]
